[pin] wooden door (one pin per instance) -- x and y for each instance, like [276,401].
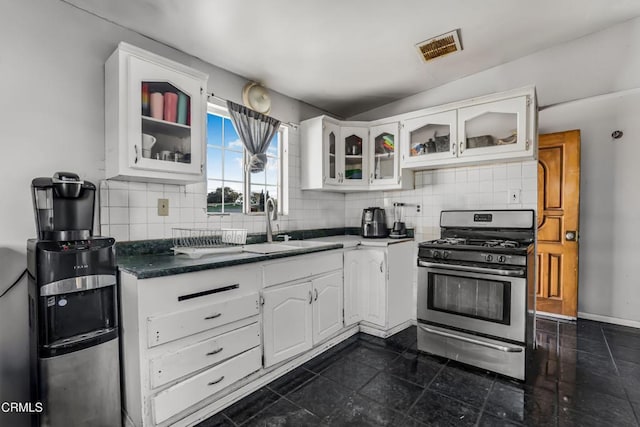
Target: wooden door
[287,321]
[558,208]
[327,306]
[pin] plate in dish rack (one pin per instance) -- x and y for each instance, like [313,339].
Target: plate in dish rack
[195,253]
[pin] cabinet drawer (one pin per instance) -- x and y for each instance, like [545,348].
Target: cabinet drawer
[205,353]
[169,327]
[179,397]
[160,295]
[301,267]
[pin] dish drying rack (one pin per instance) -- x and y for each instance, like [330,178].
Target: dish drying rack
[196,242]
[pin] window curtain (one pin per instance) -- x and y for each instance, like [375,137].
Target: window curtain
[256,132]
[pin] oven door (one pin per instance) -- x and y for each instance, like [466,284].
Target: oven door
[476,299]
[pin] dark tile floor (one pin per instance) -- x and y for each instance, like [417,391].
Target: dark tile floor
[583,374]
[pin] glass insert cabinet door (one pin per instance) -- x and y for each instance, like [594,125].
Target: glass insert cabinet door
[429,138]
[493,127]
[355,155]
[384,166]
[333,164]
[166,127]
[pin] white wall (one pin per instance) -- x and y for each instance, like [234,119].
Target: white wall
[596,64]
[52,115]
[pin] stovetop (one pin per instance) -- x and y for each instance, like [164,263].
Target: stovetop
[481,245]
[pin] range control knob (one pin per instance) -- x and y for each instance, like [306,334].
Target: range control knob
[502,258]
[489,258]
[445,254]
[436,254]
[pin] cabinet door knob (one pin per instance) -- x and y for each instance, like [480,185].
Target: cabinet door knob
[381,266]
[316,291]
[453,149]
[310,297]
[135,148]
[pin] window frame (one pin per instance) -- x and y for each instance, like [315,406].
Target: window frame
[283,168]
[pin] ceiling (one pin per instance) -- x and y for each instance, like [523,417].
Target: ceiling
[349,56]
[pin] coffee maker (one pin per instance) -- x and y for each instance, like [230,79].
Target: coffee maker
[73,316]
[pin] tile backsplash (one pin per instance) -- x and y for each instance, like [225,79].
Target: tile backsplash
[129,210]
[472,187]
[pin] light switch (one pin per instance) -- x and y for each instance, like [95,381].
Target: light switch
[514,196]
[163,207]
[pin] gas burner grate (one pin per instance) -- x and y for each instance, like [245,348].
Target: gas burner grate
[501,244]
[451,241]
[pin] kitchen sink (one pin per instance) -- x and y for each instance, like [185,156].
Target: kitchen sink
[291,245]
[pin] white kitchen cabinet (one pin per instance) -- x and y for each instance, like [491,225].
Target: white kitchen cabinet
[378,285]
[499,127]
[493,128]
[384,146]
[356,156]
[352,302]
[372,282]
[430,139]
[182,332]
[327,306]
[301,315]
[145,143]
[288,320]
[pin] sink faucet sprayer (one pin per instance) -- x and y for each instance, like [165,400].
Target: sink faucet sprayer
[270,203]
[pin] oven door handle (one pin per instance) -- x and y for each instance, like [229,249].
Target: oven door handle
[473,341]
[497,272]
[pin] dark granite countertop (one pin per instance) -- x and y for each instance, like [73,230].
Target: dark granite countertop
[164,264]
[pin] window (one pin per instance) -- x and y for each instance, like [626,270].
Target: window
[229,181]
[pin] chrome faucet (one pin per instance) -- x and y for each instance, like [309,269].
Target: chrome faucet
[270,203]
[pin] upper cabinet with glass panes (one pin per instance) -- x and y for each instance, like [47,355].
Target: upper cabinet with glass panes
[350,156]
[499,127]
[155,118]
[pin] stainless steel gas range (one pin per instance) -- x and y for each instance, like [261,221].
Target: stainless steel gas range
[476,296]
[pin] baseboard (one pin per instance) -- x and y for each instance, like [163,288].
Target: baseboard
[384,333]
[554,316]
[608,319]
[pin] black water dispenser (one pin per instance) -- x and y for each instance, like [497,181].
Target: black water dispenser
[73,311]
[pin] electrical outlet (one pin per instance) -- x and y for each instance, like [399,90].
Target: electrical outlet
[163,207]
[514,196]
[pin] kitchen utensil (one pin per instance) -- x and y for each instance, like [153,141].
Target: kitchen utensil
[374,222]
[182,108]
[399,229]
[170,107]
[157,105]
[166,155]
[148,141]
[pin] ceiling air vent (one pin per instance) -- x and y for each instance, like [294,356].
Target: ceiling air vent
[441,45]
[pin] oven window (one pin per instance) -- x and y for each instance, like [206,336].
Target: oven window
[466,296]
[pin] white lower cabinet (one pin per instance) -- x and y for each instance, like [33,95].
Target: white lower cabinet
[378,287]
[187,393]
[327,306]
[298,316]
[287,317]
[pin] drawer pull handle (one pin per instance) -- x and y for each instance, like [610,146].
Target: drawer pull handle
[216,381]
[216,351]
[213,316]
